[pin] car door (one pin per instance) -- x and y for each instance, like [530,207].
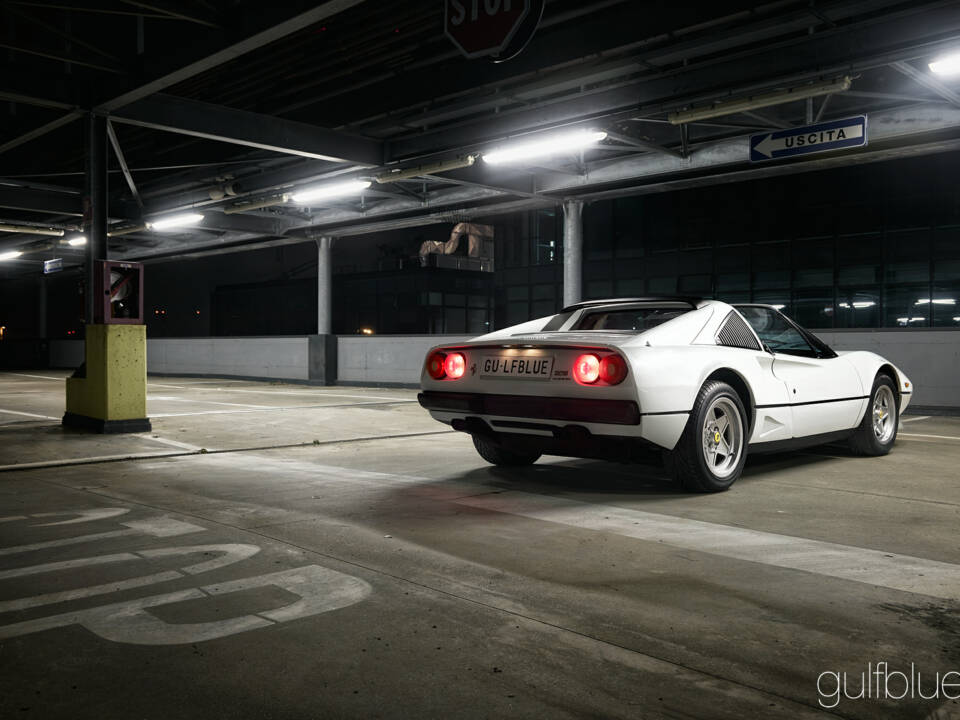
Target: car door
[825,391]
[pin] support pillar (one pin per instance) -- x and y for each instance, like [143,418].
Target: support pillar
[42,308]
[572,252]
[323,345]
[108,393]
[324,285]
[95,203]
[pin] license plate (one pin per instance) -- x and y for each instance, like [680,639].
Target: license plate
[528,368]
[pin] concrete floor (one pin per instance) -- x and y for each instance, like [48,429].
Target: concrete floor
[282,551]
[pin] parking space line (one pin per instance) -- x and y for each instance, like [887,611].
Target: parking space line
[171,443]
[915,419]
[873,567]
[26,414]
[938,437]
[38,377]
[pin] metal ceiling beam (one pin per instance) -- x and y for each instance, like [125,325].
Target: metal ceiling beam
[642,144]
[929,82]
[922,30]
[239,127]
[40,131]
[35,101]
[254,42]
[898,133]
[589,47]
[118,151]
[900,125]
[39,201]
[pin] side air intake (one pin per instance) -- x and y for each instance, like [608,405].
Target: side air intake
[735,333]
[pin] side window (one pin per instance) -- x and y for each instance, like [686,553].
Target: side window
[776,333]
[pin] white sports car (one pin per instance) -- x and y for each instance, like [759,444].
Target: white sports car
[698,381]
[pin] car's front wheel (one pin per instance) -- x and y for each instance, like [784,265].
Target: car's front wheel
[497,455]
[713,448]
[878,430]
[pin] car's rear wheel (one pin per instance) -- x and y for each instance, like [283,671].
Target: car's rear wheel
[878,429]
[713,448]
[497,455]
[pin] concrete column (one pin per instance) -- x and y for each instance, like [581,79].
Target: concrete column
[95,202]
[42,308]
[572,251]
[324,285]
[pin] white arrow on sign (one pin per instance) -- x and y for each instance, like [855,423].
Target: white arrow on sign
[770,145]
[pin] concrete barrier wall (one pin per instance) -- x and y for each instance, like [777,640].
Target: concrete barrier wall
[284,358]
[67,354]
[930,357]
[385,358]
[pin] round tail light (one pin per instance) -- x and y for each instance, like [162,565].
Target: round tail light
[613,369]
[586,370]
[435,365]
[455,365]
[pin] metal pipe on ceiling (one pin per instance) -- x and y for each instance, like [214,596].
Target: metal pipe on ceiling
[31,230]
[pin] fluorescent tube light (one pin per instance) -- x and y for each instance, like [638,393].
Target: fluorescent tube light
[77,240]
[947,65]
[936,301]
[755,102]
[175,221]
[10,255]
[329,191]
[545,147]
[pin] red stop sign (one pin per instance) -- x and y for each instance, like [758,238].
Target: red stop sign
[484,27]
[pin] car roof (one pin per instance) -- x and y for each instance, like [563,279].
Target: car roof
[693,302]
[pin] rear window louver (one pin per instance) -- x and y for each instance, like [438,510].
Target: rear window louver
[735,333]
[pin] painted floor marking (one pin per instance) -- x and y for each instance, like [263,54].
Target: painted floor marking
[26,414]
[171,443]
[915,419]
[82,516]
[318,590]
[232,553]
[38,377]
[938,437]
[154,527]
[874,567]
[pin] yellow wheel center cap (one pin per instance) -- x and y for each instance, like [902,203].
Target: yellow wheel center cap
[716,437]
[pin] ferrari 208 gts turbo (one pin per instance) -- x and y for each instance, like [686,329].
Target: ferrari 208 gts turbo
[697,382]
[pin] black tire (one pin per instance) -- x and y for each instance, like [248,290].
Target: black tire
[496,455]
[689,461]
[867,440]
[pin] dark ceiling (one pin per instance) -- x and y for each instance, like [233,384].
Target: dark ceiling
[184,81]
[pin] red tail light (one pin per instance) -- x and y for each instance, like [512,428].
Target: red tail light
[435,365]
[613,369]
[455,365]
[586,369]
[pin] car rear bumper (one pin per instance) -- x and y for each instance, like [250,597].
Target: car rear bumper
[585,410]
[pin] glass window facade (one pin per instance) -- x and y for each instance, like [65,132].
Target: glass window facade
[861,247]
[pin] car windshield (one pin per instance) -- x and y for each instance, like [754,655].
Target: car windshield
[636,319]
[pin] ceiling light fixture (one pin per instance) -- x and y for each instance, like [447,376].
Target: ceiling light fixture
[77,240]
[947,65]
[545,146]
[175,221]
[10,255]
[936,301]
[351,187]
[456,163]
[755,102]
